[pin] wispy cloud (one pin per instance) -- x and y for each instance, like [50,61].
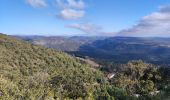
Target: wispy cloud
[37,3]
[155,24]
[86,27]
[71,9]
[71,14]
[91,29]
[75,4]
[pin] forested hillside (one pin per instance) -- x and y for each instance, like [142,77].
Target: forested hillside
[29,72]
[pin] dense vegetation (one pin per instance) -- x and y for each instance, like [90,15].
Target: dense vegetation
[137,80]
[29,72]
[37,73]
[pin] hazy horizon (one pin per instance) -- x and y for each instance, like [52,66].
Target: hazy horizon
[37,35]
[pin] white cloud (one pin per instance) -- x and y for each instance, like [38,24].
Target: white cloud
[155,24]
[71,9]
[87,28]
[68,9]
[37,3]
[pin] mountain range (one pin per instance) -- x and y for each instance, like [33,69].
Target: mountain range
[110,49]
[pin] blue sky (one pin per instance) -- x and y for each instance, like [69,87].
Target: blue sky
[85,17]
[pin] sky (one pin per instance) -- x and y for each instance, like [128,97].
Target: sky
[137,18]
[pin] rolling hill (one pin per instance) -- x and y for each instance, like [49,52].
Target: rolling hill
[62,43]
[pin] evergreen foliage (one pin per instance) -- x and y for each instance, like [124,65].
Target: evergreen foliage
[30,72]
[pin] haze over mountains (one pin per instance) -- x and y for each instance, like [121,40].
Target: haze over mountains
[64,43]
[116,49]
